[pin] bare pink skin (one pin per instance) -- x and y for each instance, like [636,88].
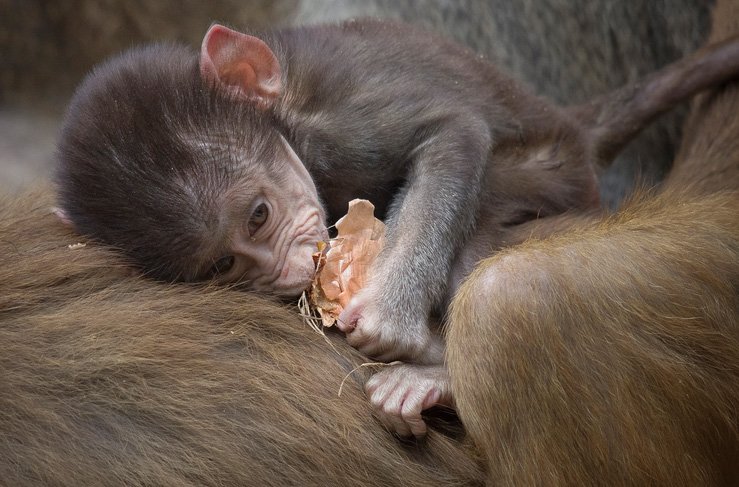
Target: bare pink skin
[278,257]
[398,394]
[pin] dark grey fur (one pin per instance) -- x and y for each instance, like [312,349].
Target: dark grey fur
[377,110]
[568,50]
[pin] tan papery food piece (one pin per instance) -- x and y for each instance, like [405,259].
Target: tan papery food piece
[343,264]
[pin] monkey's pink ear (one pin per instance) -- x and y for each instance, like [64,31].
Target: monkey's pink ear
[242,64]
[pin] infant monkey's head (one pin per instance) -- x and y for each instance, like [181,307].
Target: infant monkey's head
[185,178]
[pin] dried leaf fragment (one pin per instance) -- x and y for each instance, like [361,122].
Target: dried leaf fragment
[342,266]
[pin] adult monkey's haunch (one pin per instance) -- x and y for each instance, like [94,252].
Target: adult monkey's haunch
[629,330]
[191,166]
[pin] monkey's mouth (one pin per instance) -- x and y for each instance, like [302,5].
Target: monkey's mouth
[296,275]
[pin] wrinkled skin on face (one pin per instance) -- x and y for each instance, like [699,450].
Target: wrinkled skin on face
[272,229]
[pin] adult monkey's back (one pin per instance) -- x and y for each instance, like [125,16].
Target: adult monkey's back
[109,379]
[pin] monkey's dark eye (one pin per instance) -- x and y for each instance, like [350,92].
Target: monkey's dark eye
[222,265]
[257,218]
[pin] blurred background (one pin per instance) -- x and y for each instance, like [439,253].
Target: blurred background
[567,50]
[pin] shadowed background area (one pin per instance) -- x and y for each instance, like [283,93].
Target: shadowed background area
[567,50]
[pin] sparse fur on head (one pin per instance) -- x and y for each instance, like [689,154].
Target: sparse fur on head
[145,152]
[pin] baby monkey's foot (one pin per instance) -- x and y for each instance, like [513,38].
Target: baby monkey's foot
[399,393]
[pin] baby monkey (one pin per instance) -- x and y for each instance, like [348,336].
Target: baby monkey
[230,164]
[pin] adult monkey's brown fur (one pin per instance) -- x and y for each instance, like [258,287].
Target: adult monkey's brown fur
[165,394]
[611,353]
[108,379]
